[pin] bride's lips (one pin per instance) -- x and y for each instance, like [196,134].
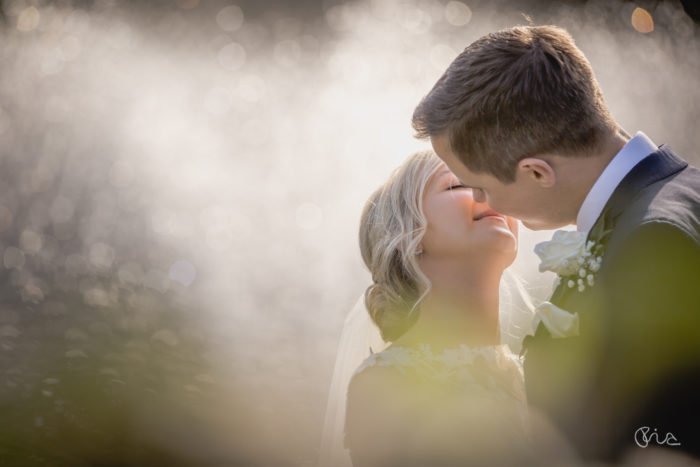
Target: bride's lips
[488,213]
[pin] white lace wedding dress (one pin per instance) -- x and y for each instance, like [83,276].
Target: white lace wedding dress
[360,337]
[409,406]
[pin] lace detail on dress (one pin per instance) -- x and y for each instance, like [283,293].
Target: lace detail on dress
[477,391]
[493,368]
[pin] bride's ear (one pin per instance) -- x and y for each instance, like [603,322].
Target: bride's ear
[537,170]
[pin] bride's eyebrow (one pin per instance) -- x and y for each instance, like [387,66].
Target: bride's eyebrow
[438,178]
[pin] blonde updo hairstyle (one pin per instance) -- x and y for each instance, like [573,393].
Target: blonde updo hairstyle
[391,228]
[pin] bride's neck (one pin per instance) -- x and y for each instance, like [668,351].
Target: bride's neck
[461,308]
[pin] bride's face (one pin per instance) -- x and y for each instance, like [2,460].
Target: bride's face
[458,225]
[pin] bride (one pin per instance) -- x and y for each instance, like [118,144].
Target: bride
[446,390]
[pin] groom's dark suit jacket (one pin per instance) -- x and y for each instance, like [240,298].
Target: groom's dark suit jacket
[636,361]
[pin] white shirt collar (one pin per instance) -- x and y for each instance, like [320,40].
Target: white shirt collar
[630,155]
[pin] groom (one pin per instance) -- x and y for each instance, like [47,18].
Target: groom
[518,116]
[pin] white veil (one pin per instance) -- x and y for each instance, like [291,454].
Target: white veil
[360,337]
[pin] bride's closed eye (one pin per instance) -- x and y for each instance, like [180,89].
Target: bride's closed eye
[455,186]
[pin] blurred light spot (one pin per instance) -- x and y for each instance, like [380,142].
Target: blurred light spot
[441,55]
[340,17]
[341,64]
[9,331]
[75,265]
[183,272]
[218,101]
[414,19]
[205,378]
[157,280]
[187,4]
[121,174]
[20,278]
[162,222]
[13,258]
[642,20]
[143,302]
[253,132]
[410,67]
[77,21]
[4,121]
[130,273]
[5,218]
[310,44]
[230,18]
[309,216]
[57,109]
[251,88]
[232,56]
[101,255]
[75,334]
[69,48]
[32,291]
[50,381]
[165,336]
[28,19]
[61,210]
[55,308]
[287,53]
[457,13]
[219,239]
[52,64]
[120,36]
[75,353]
[109,372]
[30,241]
[287,27]
[96,296]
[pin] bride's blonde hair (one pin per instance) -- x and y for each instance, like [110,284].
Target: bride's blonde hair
[391,228]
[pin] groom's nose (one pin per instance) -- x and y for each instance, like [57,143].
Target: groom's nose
[478,195]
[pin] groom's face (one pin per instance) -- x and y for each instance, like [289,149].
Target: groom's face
[534,206]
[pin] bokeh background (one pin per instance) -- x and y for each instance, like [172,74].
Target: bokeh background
[180,190]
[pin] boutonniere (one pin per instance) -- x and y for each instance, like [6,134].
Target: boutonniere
[560,323]
[572,257]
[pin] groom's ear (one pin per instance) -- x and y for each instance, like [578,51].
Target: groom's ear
[537,170]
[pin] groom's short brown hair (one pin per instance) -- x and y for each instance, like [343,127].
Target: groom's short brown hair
[513,94]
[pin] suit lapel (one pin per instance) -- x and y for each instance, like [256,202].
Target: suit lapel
[658,165]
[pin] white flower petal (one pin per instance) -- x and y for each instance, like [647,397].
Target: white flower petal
[560,323]
[562,253]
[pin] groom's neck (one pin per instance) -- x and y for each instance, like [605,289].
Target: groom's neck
[578,174]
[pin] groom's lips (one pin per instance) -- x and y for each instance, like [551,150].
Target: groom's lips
[488,213]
